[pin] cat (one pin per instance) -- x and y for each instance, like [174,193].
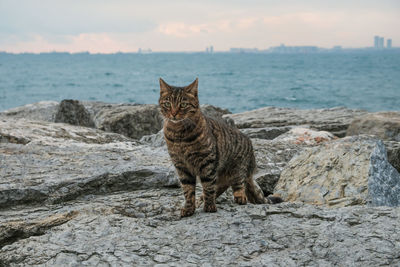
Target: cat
[208,148]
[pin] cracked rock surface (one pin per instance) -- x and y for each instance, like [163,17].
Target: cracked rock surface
[349,171]
[143,228]
[334,120]
[59,162]
[76,196]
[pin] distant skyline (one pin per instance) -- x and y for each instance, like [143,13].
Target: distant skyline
[100,26]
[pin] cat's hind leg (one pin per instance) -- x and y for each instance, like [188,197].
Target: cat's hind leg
[220,190]
[239,192]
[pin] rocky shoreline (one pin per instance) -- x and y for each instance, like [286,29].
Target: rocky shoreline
[91,183]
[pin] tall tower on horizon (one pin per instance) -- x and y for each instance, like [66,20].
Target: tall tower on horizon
[389,43]
[376,42]
[381,42]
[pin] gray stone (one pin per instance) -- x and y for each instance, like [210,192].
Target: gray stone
[350,171]
[156,140]
[384,125]
[61,162]
[79,196]
[74,113]
[334,120]
[393,153]
[271,157]
[101,232]
[299,135]
[131,121]
[40,111]
[213,111]
[268,133]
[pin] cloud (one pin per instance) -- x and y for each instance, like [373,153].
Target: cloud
[185,30]
[176,25]
[72,17]
[93,42]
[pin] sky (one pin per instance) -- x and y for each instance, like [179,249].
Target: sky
[100,26]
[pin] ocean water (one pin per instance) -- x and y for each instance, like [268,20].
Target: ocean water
[238,82]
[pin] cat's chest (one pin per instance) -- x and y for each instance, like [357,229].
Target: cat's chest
[191,153]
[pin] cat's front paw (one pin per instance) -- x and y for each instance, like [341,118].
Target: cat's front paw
[241,200]
[186,211]
[210,207]
[199,202]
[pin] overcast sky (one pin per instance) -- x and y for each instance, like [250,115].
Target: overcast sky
[172,25]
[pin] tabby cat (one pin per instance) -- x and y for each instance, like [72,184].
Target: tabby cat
[208,148]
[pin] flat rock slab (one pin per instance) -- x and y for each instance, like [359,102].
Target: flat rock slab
[41,111]
[143,228]
[334,120]
[59,162]
[384,125]
[350,171]
[129,119]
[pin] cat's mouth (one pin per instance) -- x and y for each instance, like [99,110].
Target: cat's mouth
[176,120]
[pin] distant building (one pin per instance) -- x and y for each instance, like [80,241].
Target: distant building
[244,50]
[381,42]
[144,51]
[389,43]
[294,49]
[206,49]
[376,42]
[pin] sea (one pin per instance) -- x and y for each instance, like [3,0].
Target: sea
[235,81]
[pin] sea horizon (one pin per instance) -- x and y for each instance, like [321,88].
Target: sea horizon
[236,81]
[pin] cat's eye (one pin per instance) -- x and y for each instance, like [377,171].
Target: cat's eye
[184,105]
[167,104]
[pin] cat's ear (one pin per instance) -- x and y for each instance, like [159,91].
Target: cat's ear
[164,87]
[193,87]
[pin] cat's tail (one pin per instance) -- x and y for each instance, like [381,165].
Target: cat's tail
[256,196]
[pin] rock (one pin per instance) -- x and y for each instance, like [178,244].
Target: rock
[131,121]
[393,153]
[384,125]
[136,121]
[79,196]
[213,111]
[271,157]
[156,140]
[268,133]
[41,111]
[217,113]
[333,120]
[104,230]
[350,171]
[305,136]
[60,162]
[74,113]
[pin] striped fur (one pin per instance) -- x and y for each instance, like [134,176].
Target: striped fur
[200,146]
